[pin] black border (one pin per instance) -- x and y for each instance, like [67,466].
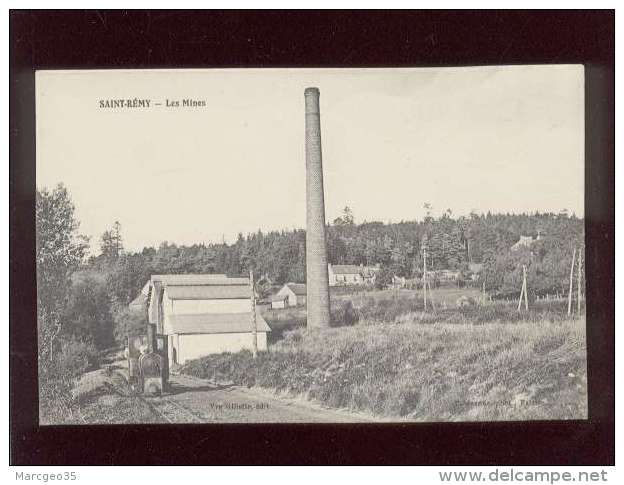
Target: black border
[150,39]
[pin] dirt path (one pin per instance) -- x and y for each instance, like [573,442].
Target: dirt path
[194,400]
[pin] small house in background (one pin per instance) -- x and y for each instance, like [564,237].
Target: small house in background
[526,241]
[291,294]
[278,302]
[203,314]
[351,274]
[446,275]
[399,282]
[475,271]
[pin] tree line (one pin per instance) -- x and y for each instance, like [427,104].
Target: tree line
[85,299]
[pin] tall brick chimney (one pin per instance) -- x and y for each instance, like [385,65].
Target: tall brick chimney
[317,279]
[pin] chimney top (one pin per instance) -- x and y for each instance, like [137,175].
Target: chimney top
[311,92]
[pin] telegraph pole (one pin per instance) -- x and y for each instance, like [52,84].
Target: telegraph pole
[526,292]
[571,282]
[523,291]
[425,277]
[254,326]
[578,282]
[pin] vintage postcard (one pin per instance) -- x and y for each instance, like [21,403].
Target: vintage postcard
[311,245]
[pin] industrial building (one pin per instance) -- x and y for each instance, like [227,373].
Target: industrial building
[203,314]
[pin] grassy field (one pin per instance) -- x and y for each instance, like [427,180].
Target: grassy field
[425,372]
[443,298]
[370,304]
[395,306]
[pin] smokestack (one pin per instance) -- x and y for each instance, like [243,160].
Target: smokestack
[317,279]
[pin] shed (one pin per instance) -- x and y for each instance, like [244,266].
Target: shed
[292,294]
[278,302]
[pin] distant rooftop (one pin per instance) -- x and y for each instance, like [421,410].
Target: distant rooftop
[298,289]
[139,301]
[526,241]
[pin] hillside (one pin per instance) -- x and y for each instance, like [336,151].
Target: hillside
[425,372]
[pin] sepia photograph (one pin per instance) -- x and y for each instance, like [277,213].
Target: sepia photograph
[311,245]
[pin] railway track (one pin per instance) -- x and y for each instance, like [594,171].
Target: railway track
[170,410]
[164,407]
[199,401]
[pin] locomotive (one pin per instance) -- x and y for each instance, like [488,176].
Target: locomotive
[148,364]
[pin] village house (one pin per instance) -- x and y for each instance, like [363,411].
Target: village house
[351,274]
[203,314]
[526,241]
[291,294]
[475,271]
[447,275]
[399,282]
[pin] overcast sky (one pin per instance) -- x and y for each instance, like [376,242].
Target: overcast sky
[505,139]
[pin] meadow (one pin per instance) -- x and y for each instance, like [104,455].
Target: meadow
[396,361]
[349,307]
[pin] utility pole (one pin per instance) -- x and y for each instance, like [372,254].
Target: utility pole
[425,277]
[578,282]
[430,296]
[523,291]
[571,282]
[254,326]
[521,294]
[526,290]
[484,296]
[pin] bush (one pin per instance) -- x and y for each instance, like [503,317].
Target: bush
[76,358]
[57,377]
[383,278]
[466,302]
[345,316]
[387,310]
[88,311]
[127,322]
[91,385]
